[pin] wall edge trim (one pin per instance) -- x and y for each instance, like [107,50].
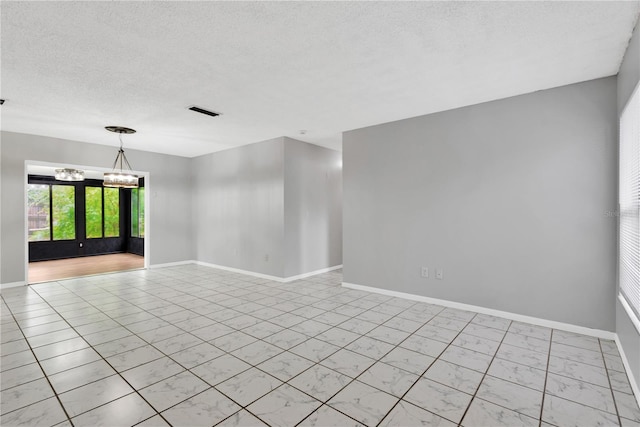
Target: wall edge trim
[12,284]
[239,270]
[632,316]
[492,312]
[247,272]
[312,273]
[171,264]
[632,381]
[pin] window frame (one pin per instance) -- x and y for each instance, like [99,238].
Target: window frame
[80,194]
[49,222]
[75,213]
[140,216]
[628,195]
[104,210]
[86,232]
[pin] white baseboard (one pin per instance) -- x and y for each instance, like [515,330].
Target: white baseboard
[632,380]
[267,276]
[12,285]
[312,273]
[172,264]
[630,314]
[507,315]
[239,270]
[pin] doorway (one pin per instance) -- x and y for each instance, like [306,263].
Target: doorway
[78,228]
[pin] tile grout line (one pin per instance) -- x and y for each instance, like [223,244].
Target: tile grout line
[546,376]
[43,373]
[109,288]
[428,367]
[613,396]
[484,375]
[229,353]
[309,338]
[314,362]
[344,347]
[372,308]
[352,379]
[119,373]
[352,301]
[165,355]
[116,372]
[575,401]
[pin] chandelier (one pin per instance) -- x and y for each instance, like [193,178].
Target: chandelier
[120,177]
[68,174]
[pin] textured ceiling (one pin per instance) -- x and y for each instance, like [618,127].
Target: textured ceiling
[275,68]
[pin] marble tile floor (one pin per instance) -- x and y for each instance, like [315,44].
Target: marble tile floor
[196,346]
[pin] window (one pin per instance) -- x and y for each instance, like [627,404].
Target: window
[630,204]
[38,211]
[102,208]
[111,212]
[141,211]
[137,212]
[93,212]
[63,205]
[52,211]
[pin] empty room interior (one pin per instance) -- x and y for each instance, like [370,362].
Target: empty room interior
[320,213]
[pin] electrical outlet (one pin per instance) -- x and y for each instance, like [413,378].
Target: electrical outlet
[424,272]
[439,274]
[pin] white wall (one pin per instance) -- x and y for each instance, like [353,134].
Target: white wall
[628,78]
[169,184]
[312,207]
[508,197]
[238,207]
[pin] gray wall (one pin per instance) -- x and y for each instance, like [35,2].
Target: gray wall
[628,79]
[226,208]
[312,207]
[273,207]
[508,197]
[169,212]
[238,207]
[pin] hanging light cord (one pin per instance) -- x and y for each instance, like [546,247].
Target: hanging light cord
[121,156]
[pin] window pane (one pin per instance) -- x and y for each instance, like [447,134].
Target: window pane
[141,212]
[111,212]
[134,213]
[64,212]
[93,212]
[38,203]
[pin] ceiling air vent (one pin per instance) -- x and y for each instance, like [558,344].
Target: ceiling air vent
[203,111]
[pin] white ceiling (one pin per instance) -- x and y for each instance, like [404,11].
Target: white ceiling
[275,68]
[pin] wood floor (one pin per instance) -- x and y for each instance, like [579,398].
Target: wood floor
[46,271]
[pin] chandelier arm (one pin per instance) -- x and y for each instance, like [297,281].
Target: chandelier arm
[126,161]
[115,162]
